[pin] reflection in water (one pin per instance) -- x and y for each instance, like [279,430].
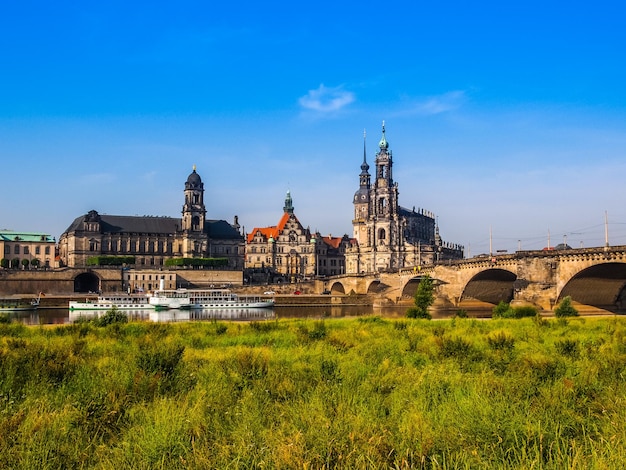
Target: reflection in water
[175,315]
[44,316]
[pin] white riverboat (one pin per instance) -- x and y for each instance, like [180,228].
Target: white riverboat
[165,299]
[205,299]
[224,298]
[108,301]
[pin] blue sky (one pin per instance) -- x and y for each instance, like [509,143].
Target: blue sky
[502,117]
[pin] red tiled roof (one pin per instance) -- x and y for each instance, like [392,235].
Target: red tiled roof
[273,231]
[332,241]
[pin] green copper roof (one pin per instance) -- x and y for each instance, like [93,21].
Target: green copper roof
[383,142]
[11,236]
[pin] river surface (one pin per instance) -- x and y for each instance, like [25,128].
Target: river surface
[60,316]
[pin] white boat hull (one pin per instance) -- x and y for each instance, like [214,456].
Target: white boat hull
[107,302]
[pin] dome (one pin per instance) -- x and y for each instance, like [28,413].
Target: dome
[362,195]
[194,180]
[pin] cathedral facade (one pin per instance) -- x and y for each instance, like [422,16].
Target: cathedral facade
[387,236]
[151,241]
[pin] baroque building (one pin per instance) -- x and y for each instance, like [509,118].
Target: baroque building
[293,251]
[26,250]
[153,240]
[387,236]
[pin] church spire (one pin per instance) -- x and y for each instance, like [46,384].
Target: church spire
[364,165]
[288,204]
[383,141]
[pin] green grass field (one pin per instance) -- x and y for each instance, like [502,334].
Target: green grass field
[338,393]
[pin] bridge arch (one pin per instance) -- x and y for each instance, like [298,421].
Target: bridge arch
[374,287]
[491,286]
[337,288]
[601,286]
[410,287]
[86,282]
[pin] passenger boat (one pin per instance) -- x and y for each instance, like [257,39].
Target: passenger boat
[202,299]
[16,304]
[164,299]
[224,298]
[108,301]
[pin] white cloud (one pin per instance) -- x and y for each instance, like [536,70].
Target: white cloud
[432,105]
[443,103]
[326,99]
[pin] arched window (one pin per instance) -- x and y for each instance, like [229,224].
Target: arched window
[381,235]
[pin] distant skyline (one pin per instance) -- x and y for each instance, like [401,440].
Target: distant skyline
[507,119]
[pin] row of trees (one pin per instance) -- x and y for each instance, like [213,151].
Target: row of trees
[15,263]
[173,262]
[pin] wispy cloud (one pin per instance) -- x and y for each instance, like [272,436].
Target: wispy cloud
[326,100]
[432,105]
[443,103]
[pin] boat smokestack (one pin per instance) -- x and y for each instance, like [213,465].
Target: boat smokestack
[162,284]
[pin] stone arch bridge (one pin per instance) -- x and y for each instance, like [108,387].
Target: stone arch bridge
[594,278]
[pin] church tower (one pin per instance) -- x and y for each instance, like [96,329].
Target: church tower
[193,242]
[362,201]
[194,212]
[384,199]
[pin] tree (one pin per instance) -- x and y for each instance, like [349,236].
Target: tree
[565,308]
[4,263]
[502,310]
[25,263]
[424,297]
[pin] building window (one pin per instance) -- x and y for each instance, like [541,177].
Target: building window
[47,250]
[25,250]
[37,250]
[16,250]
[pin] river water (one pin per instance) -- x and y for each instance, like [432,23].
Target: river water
[60,316]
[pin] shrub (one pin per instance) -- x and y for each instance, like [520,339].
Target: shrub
[501,341]
[110,260]
[568,347]
[415,312]
[565,308]
[525,311]
[461,313]
[502,310]
[112,316]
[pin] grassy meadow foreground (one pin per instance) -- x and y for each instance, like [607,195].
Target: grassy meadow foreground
[336,393]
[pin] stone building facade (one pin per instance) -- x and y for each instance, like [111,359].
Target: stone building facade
[292,250]
[388,237]
[27,250]
[153,240]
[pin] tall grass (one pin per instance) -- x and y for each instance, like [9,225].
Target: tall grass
[340,393]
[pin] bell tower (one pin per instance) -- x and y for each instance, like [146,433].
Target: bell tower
[194,212]
[361,201]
